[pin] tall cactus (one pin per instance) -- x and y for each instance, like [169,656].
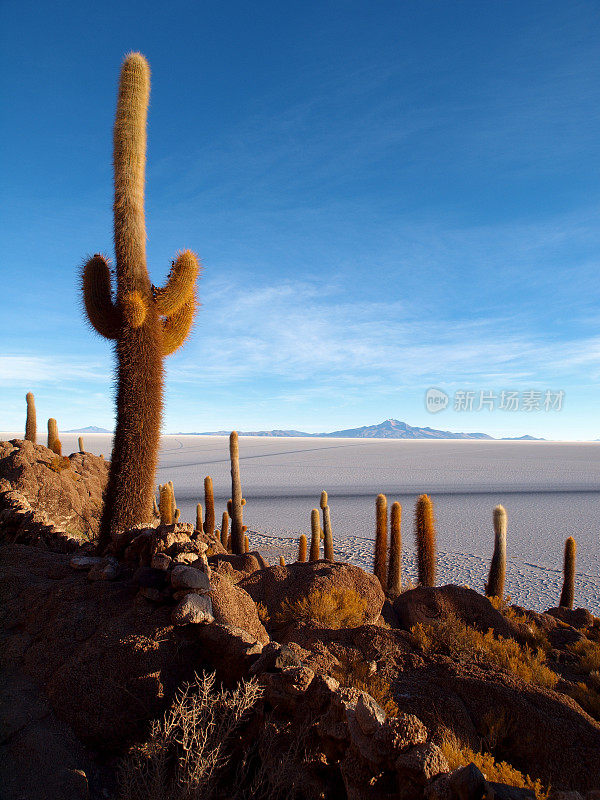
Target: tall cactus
[327,530]
[147,323]
[225,529]
[426,541]
[30,422]
[302,548]
[209,505]
[237,521]
[567,596]
[80,444]
[497,575]
[53,440]
[379,562]
[395,565]
[315,539]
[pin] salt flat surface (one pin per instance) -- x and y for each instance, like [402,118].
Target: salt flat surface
[550,490]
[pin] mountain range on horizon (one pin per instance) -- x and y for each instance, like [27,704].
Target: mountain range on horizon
[389,429]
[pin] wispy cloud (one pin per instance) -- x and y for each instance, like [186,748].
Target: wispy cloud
[46,369]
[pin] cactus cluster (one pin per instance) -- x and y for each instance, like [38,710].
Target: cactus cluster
[167,506]
[145,322]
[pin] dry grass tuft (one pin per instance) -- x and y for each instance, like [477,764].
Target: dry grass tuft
[458,755]
[588,653]
[452,637]
[334,609]
[186,751]
[354,672]
[59,463]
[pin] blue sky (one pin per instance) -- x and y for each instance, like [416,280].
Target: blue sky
[385,197]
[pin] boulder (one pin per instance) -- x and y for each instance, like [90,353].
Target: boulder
[236,567]
[276,585]
[575,617]
[185,577]
[427,604]
[193,609]
[234,607]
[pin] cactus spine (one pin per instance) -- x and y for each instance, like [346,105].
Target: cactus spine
[426,541]
[302,548]
[198,517]
[209,505]
[53,440]
[315,540]
[395,565]
[567,596]
[146,323]
[30,421]
[225,529]
[80,445]
[497,575]
[237,522]
[379,562]
[327,530]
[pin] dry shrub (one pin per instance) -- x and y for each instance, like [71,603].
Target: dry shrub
[458,755]
[588,695]
[352,671]
[334,609]
[452,637]
[186,752]
[59,463]
[588,653]
[538,635]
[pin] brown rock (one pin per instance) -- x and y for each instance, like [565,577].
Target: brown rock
[51,493]
[426,604]
[274,585]
[575,617]
[420,763]
[193,609]
[236,567]
[234,607]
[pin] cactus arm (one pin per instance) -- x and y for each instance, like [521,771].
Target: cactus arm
[177,326]
[97,297]
[179,286]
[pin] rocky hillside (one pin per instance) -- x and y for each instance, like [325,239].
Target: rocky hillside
[297,681]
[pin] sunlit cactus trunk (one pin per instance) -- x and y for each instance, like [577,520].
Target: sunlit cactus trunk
[209,505]
[327,529]
[80,444]
[30,421]
[380,560]
[225,529]
[199,526]
[395,563]
[497,575]
[567,596]
[302,546]
[53,440]
[315,539]
[237,521]
[426,541]
[145,322]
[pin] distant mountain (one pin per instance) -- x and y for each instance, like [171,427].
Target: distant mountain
[89,429]
[390,429]
[526,438]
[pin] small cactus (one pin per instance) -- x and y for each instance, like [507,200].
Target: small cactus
[80,444]
[176,515]
[165,504]
[281,561]
[567,596]
[426,541]
[229,507]
[302,548]
[30,421]
[225,529]
[209,505]
[327,530]
[155,509]
[199,517]
[497,575]
[173,501]
[315,541]
[395,564]
[246,544]
[237,535]
[379,563]
[52,434]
